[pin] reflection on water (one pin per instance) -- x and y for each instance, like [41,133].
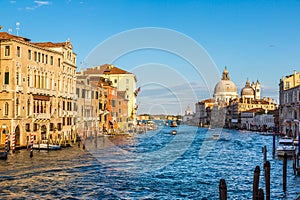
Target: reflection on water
[155,165]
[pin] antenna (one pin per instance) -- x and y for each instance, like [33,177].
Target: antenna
[18,28]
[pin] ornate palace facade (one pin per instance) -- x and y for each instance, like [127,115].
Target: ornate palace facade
[37,88]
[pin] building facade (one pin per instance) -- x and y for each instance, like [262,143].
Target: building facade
[289,104]
[37,89]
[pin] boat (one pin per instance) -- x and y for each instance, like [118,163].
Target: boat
[173,124]
[173,132]
[286,145]
[45,146]
[216,136]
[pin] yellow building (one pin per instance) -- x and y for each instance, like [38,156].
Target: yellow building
[289,108]
[90,99]
[37,87]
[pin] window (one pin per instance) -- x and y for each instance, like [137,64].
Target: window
[59,127]
[7,51]
[58,62]
[115,80]
[51,127]
[29,54]
[27,127]
[287,85]
[113,102]
[17,78]
[51,60]
[46,59]
[6,108]
[18,51]
[83,93]
[43,56]
[39,57]
[35,127]
[96,95]
[6,78]
[35,56]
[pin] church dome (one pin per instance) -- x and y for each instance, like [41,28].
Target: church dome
[248,91]
[225,89]
[225,84]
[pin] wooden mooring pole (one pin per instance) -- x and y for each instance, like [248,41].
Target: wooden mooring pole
[222,189]
[267,179]
[284,167]
[261,194]
[255,183]
[264,150]
[273,150]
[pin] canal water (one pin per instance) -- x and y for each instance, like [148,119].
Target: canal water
[152,165]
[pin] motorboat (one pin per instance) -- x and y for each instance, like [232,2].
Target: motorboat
[45,146]
[173,124]
[286,145]
[216,136]
[173,132]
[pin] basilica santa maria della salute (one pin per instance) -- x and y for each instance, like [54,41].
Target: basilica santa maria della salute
[249,111]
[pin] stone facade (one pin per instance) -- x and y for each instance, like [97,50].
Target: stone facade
[289,107]
[37,89]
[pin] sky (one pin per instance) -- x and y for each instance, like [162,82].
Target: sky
[256,40]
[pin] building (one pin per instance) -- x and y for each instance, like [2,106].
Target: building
[89,100]
[289,104]
[188,116]
[122,81]
[225,96]
[37,89]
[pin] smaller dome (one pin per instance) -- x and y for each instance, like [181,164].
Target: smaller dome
[247,90]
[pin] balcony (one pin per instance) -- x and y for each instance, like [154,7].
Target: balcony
[41,115]
[19,88]
[5,88]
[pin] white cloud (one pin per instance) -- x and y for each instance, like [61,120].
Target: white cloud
[38,4]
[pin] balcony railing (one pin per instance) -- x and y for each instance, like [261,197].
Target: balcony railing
[5,88]
[41,115]
[19,88]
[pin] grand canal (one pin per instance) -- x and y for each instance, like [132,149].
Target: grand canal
[153,165]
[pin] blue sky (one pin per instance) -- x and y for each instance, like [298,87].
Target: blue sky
[254,39]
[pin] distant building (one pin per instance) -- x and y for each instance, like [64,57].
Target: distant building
[188,116]
[289,104]
[122,81]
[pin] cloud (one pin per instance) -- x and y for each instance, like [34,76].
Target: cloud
[38,4]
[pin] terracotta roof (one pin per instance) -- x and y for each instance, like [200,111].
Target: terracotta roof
[208,101]
[51,44]
[254,110]
[107,69]
[5,36]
